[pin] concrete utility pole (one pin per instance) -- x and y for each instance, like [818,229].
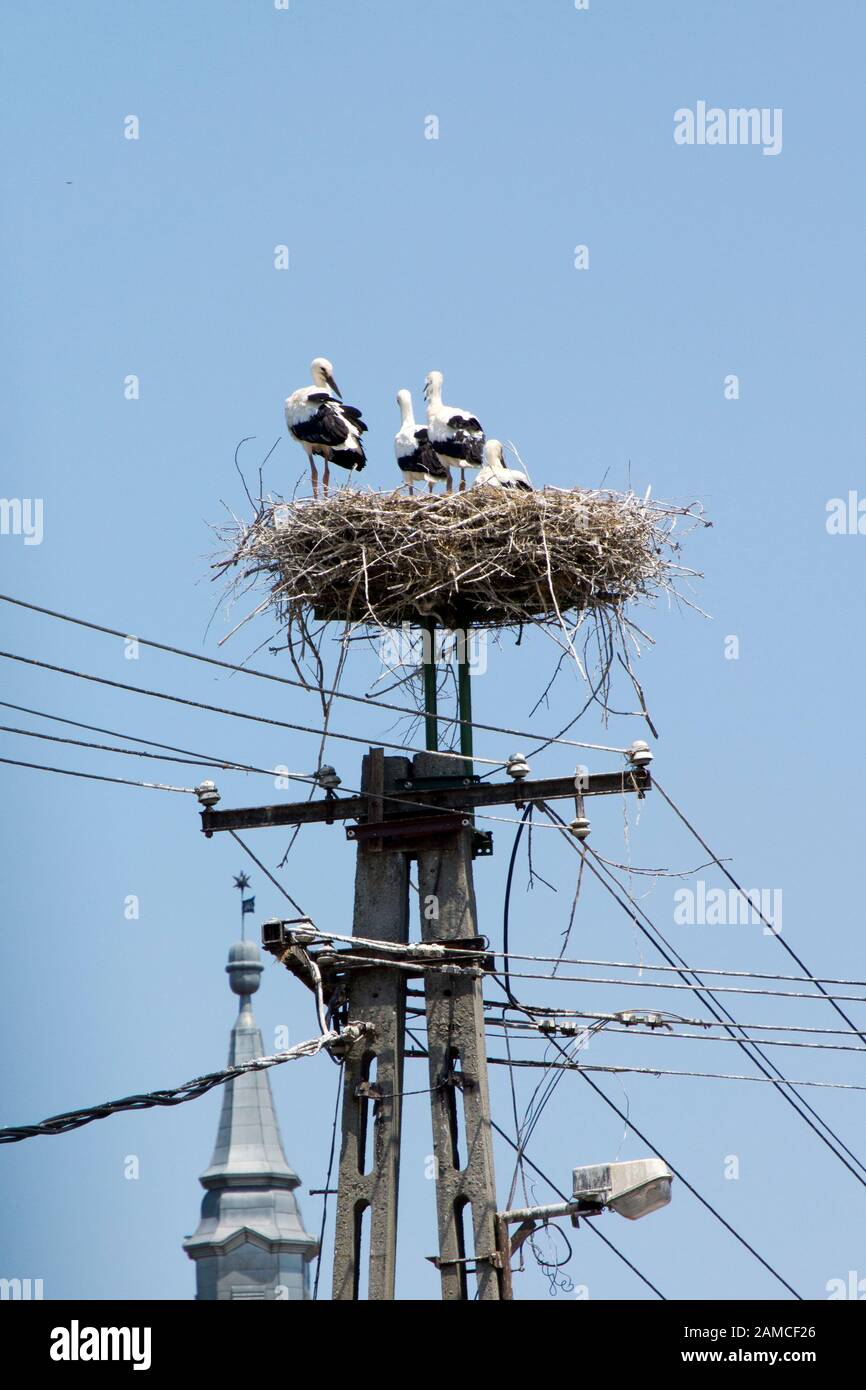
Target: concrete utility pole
[423,811]
[465,1186]
[373,1077]
[369,1172]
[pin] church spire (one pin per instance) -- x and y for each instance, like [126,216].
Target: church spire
[250,1241]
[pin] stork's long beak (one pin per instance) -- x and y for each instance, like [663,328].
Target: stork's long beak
[333,385]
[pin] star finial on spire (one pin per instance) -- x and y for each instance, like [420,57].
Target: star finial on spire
[242,882]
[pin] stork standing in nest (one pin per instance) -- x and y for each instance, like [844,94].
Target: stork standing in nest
[323,425]
[456,436]
[496,474]
[416,457]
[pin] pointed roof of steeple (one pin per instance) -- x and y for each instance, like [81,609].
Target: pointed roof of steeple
[249,1184]
[248,1144]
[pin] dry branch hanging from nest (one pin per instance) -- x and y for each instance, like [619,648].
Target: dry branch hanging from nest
[486,557]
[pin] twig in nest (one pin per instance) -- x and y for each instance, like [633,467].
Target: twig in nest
[555,559]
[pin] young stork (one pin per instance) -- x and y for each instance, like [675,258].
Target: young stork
[456,436]
[323,425]
[416,458]
[495,474]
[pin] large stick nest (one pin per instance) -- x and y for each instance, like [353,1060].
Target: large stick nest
[486,556]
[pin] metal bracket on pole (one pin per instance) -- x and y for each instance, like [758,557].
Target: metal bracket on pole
[464,795]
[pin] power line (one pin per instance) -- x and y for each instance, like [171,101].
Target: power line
[588,1225]
[141,752]
[261,719]
[798,1103]
[190,1090]
[729,876]
[234,713]
[311,780]
[196,759]
[349,957]
[536,1032]
[717,1008]
[704,970]
[628,1121]
[694,1191]
[232,765]
[669,984]
[328,937]
[286,894]
[302,729]
[555,1012]
[422,1052]
[615,1070]
[328,1184]
[537,1103]
[302,685]
[96,777]
[764,1063]
[508,882]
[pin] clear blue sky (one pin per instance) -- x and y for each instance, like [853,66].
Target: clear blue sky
[154,257]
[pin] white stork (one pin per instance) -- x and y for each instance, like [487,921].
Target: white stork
[456,436]
[495,474]
[416,458]
[322,424]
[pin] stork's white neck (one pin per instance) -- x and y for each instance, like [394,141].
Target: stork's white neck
[407,415]
[492,456]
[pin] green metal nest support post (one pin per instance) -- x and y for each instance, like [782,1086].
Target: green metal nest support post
[464,693]
[430,720]
[464,689]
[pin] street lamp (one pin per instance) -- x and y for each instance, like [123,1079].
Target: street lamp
[634,1189]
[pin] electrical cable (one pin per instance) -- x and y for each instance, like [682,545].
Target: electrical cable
[729,876]
[177,1095]
[703,969]
[708,1205]
[234,713]
[258,863]
[516,1026]
[553,1012]
[302,685]
[96,777]
[508,881]
[225,764]
[669,984]
[260,719]
[197,758]
[684,1180]
[716,1007]
[552,1185]
[328,1184]
[627,1120]
[327,936]
[615,1070]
